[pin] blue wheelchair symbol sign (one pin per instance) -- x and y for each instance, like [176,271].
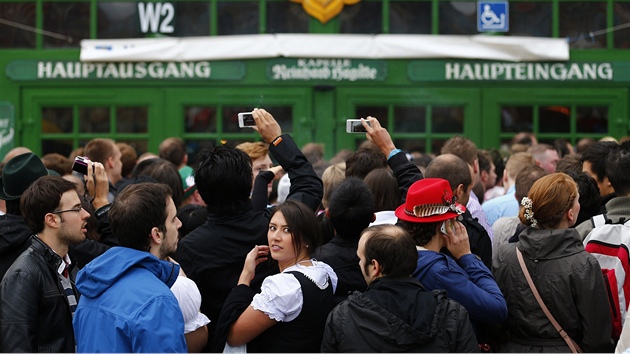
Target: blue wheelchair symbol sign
[492,16]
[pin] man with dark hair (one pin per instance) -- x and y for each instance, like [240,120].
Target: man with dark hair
[58,163]
[17,175]
[499,168]
[363,161]
[174,150]
[487,172]
[466,150]
[37,294]
[128,158]
[127,304]
[616,176]
[350,211]
[395,314]
[456,172]
[213,254]
[590,200]
[594,163]
[570,163]
[106,152]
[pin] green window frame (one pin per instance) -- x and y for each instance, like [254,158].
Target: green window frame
[570,100]
[427,137]
[42,134]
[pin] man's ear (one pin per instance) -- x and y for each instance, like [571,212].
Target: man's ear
[476,166]
[51,221]
[373,217]
[460,191]
[110,163]
[156,236]
[197,197]
[376,270]
[608,185]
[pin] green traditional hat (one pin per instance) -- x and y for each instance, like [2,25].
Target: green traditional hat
[188,181]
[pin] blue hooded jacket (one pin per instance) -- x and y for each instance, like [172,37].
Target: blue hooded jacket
[127,305]
[470,284]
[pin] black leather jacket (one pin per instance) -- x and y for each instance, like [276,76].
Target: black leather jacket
[34,312]
[14,239]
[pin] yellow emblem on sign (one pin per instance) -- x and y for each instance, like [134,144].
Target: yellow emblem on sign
[324,10]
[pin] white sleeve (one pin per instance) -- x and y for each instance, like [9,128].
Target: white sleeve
[280,297]
[189,299]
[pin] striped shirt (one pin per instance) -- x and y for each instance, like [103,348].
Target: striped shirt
[66,282]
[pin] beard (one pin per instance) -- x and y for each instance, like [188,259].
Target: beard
[167,250]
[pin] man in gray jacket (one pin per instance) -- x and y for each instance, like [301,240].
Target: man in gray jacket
[396,314]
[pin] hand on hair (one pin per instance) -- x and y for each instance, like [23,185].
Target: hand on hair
[257,255]
[378,135]
[456,238]
[266,125]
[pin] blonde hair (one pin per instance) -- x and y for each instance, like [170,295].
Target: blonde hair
[332,176]
[254,150]
[551,197]
[518,162]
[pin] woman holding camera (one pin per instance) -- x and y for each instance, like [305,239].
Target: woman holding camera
[290,312]
[568,279]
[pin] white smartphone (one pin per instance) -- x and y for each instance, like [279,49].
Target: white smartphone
[246,120]
[443,228]
[355,126]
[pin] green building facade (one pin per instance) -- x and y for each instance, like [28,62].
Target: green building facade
[51,101]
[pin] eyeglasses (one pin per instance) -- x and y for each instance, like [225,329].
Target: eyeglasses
[76,210]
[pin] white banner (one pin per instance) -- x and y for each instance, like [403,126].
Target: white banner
[386,46]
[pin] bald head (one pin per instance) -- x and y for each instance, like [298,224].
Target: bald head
[15,152]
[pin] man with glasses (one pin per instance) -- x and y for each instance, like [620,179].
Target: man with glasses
[37,294]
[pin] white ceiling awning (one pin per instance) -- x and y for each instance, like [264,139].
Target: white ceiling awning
[382,46]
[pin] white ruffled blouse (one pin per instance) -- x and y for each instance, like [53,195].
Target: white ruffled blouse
[281,294]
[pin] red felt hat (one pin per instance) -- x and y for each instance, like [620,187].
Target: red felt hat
[429,200]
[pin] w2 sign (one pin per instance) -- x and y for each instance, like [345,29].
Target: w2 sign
[156,17]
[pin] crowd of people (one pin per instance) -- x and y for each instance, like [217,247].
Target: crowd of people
[266,247]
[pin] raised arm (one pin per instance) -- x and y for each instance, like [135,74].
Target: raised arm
[260,198]
[406,172]
[306,186]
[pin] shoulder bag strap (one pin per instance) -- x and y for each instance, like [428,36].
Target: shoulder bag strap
[575,348]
